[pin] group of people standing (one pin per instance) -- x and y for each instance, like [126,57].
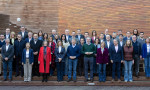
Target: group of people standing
[34,54]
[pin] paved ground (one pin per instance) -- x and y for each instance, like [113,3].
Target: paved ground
[72,88]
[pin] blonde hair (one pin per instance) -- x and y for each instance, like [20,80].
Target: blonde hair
[13,34]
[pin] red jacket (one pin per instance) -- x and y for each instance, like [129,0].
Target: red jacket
[41,59]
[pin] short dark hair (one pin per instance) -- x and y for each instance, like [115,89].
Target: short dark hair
[142,32]
[120,35]
[86,32]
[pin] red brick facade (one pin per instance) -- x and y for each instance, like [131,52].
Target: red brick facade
[86,15]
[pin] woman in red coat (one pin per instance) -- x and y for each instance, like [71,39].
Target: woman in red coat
[44,60]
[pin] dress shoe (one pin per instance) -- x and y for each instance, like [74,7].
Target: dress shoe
[85,80]
[68,80]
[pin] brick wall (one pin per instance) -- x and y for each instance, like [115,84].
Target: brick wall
[101,14]
[86,15]
[35,14]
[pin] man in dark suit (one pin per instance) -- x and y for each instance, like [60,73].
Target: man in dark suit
[7,35]
[108,44]
[128,36]
[19,45]
[53,33]
[121,43]
[79,35]
[116,57]
[67,35]
[7,56]
[101,39]
[30,38]
[35,45]
[136,54]
[23,33]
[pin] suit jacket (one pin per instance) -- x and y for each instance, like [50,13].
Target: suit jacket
[81,36]
[102,58]
[60,55]
[123,43]
[9,53]
[5,36]
[106,45]
[27,40]
[125,38]
[31,56]
[25,35]
[141,41]
[36,47]
[68,38]
[144,51]
[116,56]
[19,50]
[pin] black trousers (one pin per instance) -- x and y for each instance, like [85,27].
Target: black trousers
[44,75]
[80,67]
[35,69]
[19,66]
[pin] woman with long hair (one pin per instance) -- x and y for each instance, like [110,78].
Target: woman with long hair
[52,45]
[60,54]
[102,60]
[128,61]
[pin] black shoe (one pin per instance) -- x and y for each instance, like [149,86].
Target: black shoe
[43,80]
[58,80]
[85,80]
[46,80]
[68,80]
[75,80]
[91,80]
[16,75]
[21,75]
[5,80]
[137,76]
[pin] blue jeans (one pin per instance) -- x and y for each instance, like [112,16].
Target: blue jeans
[116,66]
[88,61]
[66,66]
[59,66]
[147,66]
[9,63]
[72,64]
[128,70]
[102,72]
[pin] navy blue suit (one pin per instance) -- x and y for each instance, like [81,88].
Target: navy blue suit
[81,36]
[125,39]
[60,55]
[18,47]
[25,35]
[60,65]
[116,57]
[68,38]
[27,40]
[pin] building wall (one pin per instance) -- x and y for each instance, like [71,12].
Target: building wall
[86,15]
